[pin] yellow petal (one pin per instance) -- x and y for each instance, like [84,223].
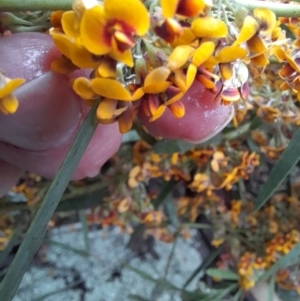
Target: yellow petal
[210,63]
[106,109]
[10,86]
[177,108]
[249,29]
[174,98]
[179,56]
[158,113]
[125,120]
[80,6]
[190,76]
[186,38]
[279,53]
[226,71]
[123,57]
[10,103]
[157,75]
[63,43]
[81,57]
[256,44]
[209,27]
[157,88]
[267,20]
[82,86]
[203,52]
[110,88]
[107,67]
[132,12]
[55,18]
[260,61]
[70,24]
[94,36]
[63,65]
[168,7]
[292,62]
[230,54]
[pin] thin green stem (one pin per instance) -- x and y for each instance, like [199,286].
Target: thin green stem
[34,5]
[280,9]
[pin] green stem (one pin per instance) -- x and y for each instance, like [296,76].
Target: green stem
[34,5]
[280,9]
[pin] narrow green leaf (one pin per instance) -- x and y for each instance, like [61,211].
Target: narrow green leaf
[223,293]
[144,135]
[222,274]
[238,295]
[204,265]
[282,168]
[137,298]
[37,229]
[271,291]
[197,225]
[166,147]
[162,282]
[136,236]
[171,210]
[66,247]
[289,259]
[166,188]
[85,230]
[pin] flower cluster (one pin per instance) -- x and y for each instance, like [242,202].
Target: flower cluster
[149,54]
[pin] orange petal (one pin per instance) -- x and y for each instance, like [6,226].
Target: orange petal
[169,7]
[286,71]
[279,53]
[256,44]
[81,57]
[231,54]
[157,88]
[92,30]
[70,24]
[107,67]
[9,103]
[106,109]
[55,18]
[203,52]
[82,86]
[177,108]
[110,88]
[169,30]
[157,75]
[186,38]
[132,12]
[226,71]
[292,62]
[190,8]
[158,113]
[206,82]
[209,27]
[174,99]
[267,20]
[125,120]
[179,56]
[249,29]
[63,43]
[123,57]
[10,86]
[260,61]
[63,65]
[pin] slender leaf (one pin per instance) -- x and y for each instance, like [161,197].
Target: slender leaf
[223,293]
[238,295]
[282,168]
[66,247]
[169,146]
[85,230]
[204,265]
[50,294]
[171,210]
[162,282]
[37,229]
[137,298]
[271,290]
[222,274]
[167,187]
[197,225]
[136,236]
[289,259]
